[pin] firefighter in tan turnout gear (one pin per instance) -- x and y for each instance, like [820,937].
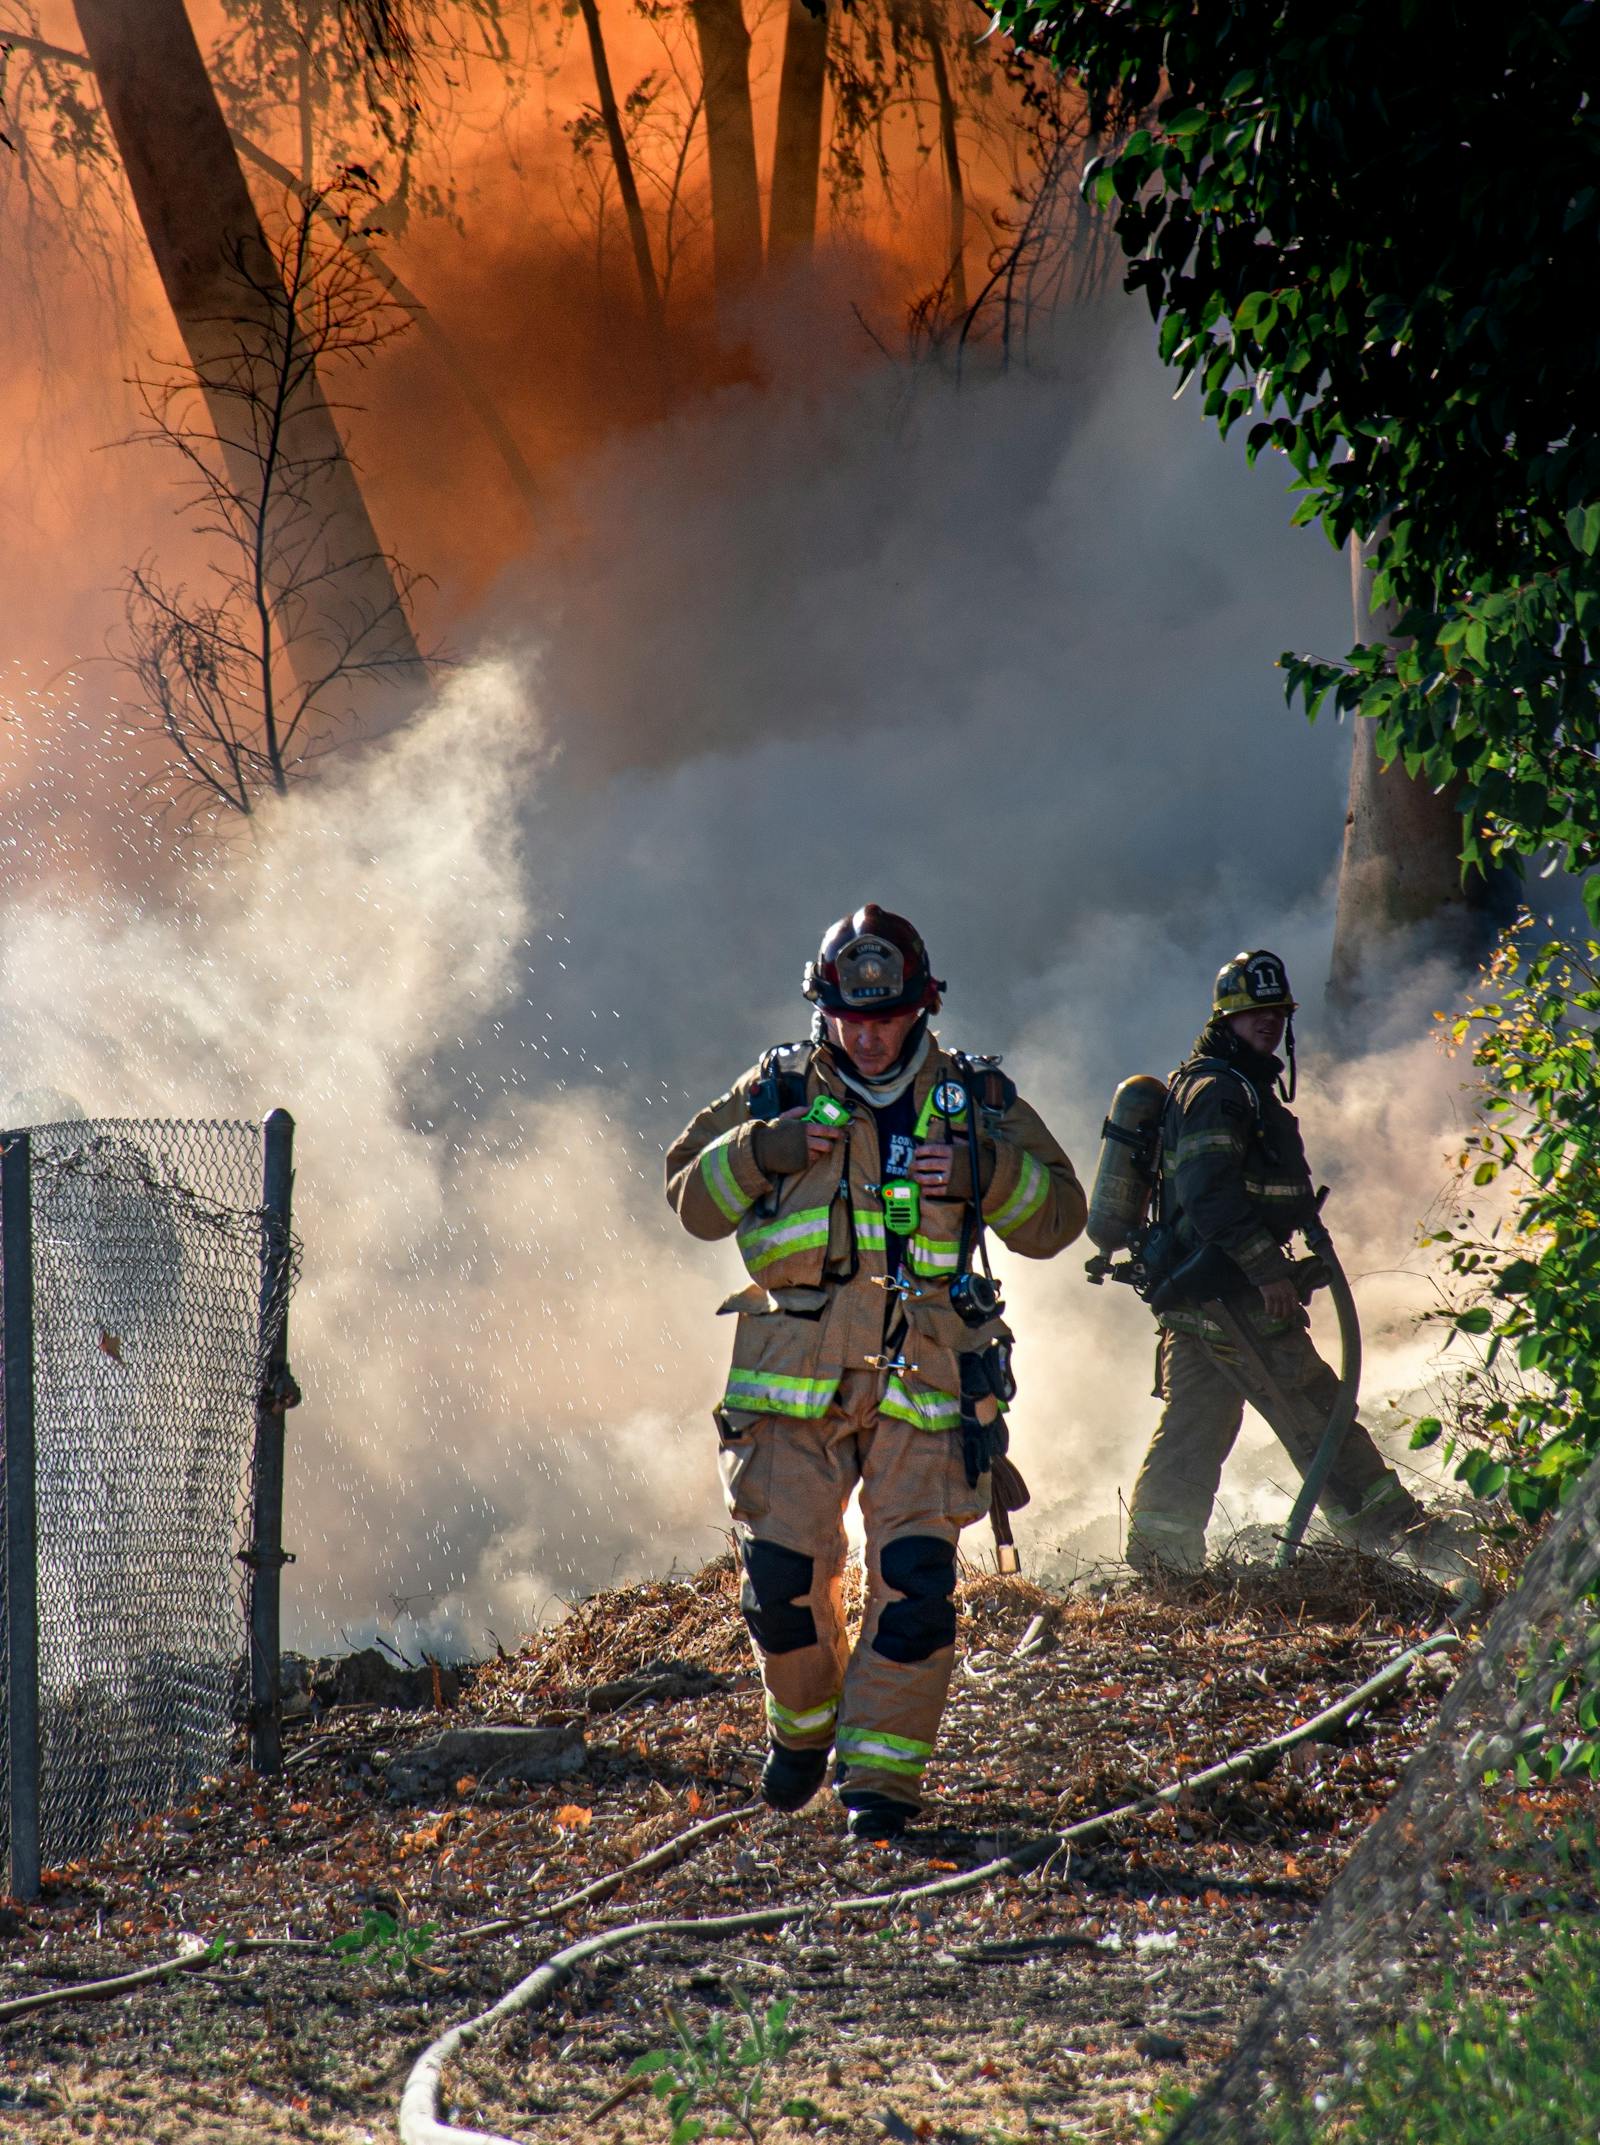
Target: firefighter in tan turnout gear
[851,1170]
[1234,1177]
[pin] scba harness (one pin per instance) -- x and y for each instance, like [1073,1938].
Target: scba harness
[979,1096]
[981,1092]
[1160,1267]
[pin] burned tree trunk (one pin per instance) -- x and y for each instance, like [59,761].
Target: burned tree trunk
[730,143]
[622,164]
[1402,893]
[221,281]
[950,149]
[797,149]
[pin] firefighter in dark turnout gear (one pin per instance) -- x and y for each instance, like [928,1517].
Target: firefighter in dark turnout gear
[1234,1176]
[849,1173]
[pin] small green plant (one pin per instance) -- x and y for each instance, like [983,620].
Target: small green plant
[396,1946]
[726,2077]
[1171,2100]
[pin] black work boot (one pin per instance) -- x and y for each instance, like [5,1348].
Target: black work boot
[790,1778]
[871,1816]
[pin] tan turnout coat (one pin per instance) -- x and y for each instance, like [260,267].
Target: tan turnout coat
[815,1248]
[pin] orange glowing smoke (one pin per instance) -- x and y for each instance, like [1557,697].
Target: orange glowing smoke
[528,274]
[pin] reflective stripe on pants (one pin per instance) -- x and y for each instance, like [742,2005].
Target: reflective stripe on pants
[787,1482]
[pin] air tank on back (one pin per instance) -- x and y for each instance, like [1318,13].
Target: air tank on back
[1120,1202]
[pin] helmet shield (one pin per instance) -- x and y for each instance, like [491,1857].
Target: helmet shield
[1254,982]
[870,966]
[871,974]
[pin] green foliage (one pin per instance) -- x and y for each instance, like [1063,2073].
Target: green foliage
[396,1946]
[1170,2101]
[1528,1409]
[1366,230]
[1524,1414]
[727,2077]
[1515,2069]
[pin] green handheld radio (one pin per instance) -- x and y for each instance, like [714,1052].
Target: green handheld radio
[902,1205]
[827,1110]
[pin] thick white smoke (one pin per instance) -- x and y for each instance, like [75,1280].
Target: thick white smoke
[999,657]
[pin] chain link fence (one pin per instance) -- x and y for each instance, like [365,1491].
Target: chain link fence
[149,1245]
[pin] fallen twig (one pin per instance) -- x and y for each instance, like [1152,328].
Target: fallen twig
[419,2102]
[185,1962]
[609,2106]
[677,1849]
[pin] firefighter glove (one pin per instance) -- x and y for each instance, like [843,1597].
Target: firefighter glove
[1308,1274]
[981,1445]
[780,1147]
[982,1442]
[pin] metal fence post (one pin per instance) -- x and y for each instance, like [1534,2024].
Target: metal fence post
[265,1556]
[21,1546]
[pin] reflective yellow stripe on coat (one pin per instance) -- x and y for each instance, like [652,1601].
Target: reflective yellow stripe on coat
[1033,1182]
[762,1242]
[771,1392]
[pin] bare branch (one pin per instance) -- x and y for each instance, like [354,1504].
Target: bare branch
[250,683]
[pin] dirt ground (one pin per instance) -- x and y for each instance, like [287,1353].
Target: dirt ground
[1055,2005]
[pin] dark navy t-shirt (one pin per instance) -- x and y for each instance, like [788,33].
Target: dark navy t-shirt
[897,1143]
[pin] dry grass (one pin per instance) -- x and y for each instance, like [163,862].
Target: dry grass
[1022,2009]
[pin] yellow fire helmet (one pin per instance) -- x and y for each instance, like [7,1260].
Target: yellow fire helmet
[1253,983]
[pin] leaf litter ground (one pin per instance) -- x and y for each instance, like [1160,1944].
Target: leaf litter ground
[1053,2005]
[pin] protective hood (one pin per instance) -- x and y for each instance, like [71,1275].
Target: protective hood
[889,1086]
[1217,1040]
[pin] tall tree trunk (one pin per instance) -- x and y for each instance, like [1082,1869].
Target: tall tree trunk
[797,149]
[1400,870]
[214,262]
[730,143]
[472,390]
[950,148]
[627,185]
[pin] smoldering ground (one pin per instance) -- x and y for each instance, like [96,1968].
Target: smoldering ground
[998,655]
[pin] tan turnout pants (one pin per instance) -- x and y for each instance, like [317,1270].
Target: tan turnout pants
[1205,1386]
[787,1483]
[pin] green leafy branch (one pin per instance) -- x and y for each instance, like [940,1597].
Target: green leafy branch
[1524,1414]
[1321,211]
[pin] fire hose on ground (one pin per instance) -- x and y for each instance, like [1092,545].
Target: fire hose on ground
[419,2120]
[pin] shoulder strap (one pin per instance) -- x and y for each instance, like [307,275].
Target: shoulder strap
[1166,1194]
[983,1079]
[781,1081]
[1220,1065]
